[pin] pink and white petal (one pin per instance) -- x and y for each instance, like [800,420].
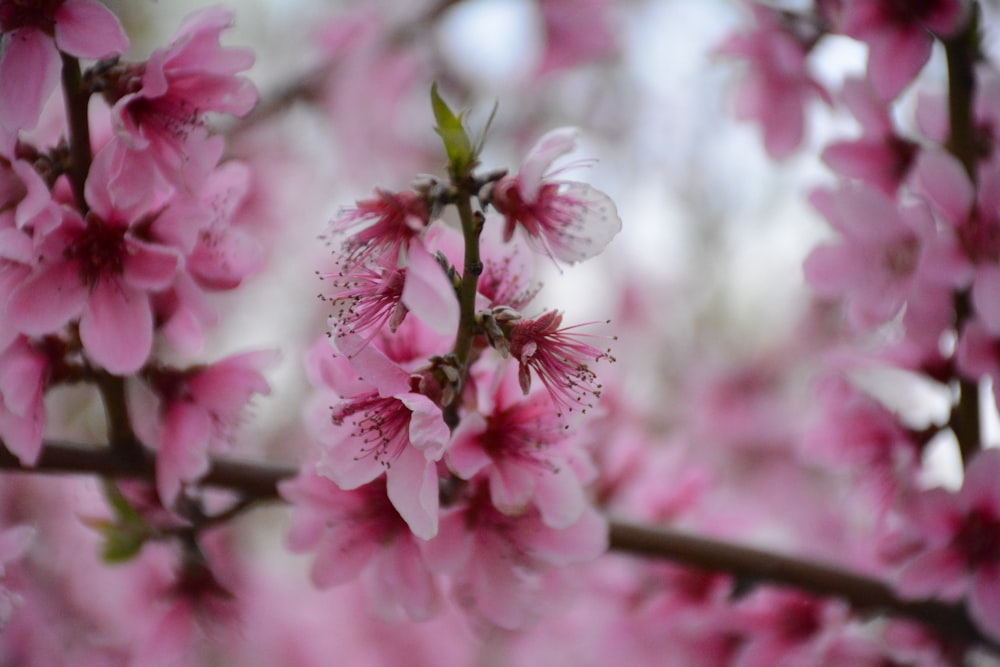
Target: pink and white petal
[585,540]
[412,485]
[49,299]
[88,29]
[29,70]
[547,149]
[980,488]
[347,464]
[499,592]
[984,600]
[22,371]
[345,550]
[117,327]
[144,407]
[428,293]
[784,125]
[986,297]
[149,266]
[428,432]
[559,497]
[596,223]
[183,452]
[224,259]
[943,179]
[22,434]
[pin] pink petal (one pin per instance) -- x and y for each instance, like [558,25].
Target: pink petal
[87,29]
[980,485]
[48,300]
[29,70]
[986,297]
[428,293]
[412,485]
[984,600]
[559,497]
[511,487]
[428,432]
[896,57]
[944,180]
[22,435]
[342,463]
[14,542]
[546,150]
[183,453]
[117,327]
[404,579]
[597,222]
[345,550]
[453,545]
[376,368]
[585,540]
[150,266]
[466,456]
[936,572]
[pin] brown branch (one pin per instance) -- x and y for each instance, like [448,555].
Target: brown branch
[259,482]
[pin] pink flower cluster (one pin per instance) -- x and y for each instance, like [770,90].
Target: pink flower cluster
[430,478]
[106,255]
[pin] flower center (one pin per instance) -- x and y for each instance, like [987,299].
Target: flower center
[979,538]
[100,249]
[38,14]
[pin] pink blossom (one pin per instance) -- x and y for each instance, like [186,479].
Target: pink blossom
[379,229]
[899,36]
[566,220]
[187,415]
[387,428]
[23,377]
[35,34]
[496,559]
[560,358]
[102,270]
[880,156]
[778,83]
[576,32]
[520,444]
[961,555]
[161,124]
[359,531]
[885,253]
[14,543]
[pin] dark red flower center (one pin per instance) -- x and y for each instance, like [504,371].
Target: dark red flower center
[100,249]
[978,538]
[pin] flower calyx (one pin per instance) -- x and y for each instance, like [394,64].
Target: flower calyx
[495,325]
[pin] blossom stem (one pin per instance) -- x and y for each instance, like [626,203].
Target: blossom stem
[472,227]
[77,99]
[259,483]
[961,52]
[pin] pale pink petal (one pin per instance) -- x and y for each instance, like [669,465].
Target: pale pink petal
[48,300]
[428,292]
[22,371]
[559,497]
[144,411]
[183,453]
[980,487]
[595,224]
[585,540]
[342,463]
[29,70]
[466,456]
[14,543]
[453,546]
[944,180]
[511,487]
[403,578]
[540,157]
[984,600]
[498,591]
[87,29]
[346,549]
[117,327]
[428,432]
[412,484]
[22,435]
[372,365]
[150,265]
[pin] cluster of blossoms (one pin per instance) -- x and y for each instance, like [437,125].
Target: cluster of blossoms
[914,264]
[442,464]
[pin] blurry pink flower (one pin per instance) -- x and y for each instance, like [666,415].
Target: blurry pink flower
[559,357]
[880,156]
[899,36]
[576,32]
[778,83]
[359,531]
[101,270]
[886,251]
[35,33]
[23,375]
[14,543]
[520,445]
[161,124]
[188,415]
[379,229]
[496,558]
[388,428]
[566,220]
[961,555]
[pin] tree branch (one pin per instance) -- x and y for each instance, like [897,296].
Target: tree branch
[259,482]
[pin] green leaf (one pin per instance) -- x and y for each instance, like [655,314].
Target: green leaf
[122,543]
[461,155]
